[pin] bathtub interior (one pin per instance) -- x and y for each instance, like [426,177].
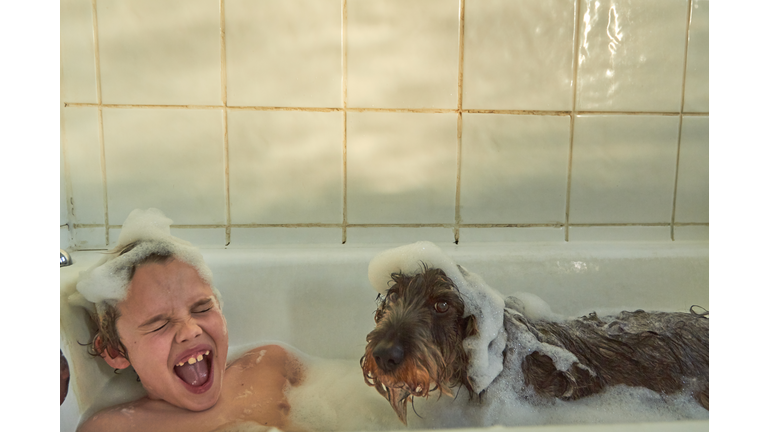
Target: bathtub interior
[318,299]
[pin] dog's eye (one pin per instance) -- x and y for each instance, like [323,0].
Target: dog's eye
[441,306]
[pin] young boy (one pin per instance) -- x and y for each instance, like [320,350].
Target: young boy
[158,312]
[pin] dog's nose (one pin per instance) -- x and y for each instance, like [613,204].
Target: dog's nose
[388,355]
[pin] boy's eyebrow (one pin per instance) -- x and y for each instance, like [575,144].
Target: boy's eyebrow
[162,316]
[202,302]
[154,319]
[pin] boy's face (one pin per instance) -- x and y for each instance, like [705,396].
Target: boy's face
[169,317]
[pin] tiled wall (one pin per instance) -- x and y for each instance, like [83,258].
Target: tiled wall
[355,121]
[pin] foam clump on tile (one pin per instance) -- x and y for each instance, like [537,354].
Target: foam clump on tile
[149,231]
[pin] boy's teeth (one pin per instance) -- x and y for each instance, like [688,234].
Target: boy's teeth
[193,360]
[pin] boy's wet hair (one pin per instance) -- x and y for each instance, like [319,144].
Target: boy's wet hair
[107,338]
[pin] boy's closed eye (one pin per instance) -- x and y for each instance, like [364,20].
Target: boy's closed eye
[202,307]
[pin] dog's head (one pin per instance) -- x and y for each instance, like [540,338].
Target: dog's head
[416,346]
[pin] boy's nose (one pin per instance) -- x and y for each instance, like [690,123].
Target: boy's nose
[189,330]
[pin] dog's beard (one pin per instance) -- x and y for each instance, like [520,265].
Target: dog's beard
[417,376]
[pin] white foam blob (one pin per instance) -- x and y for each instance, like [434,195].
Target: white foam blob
[108,279]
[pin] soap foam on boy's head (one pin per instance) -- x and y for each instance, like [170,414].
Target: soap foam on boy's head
[144,233]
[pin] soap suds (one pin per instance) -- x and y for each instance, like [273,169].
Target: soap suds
[107,281]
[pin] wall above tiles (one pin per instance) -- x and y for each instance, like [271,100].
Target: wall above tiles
[386,121]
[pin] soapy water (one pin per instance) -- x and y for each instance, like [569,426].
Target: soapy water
[334,397]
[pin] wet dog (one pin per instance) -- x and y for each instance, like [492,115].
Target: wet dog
[419,346]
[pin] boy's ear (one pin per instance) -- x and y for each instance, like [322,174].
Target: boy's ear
[111,355]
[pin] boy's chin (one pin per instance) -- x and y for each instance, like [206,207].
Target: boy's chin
[201,402]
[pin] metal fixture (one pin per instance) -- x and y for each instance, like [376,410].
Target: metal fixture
[64,259]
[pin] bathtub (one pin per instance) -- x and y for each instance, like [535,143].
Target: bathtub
[318,300]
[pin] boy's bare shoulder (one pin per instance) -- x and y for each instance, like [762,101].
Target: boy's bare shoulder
[146,414]
[117,418]
[272,356]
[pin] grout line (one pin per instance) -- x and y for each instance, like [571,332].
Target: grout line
[97,56]
[223,49]
[407,225]
[389,110]
[572,114]
[68,195]
[225,121]
[344,221]
[99,105]
[517,112]
[265,108]
[461,56]
[513,225]
[680,121]
[648,224]
[138,106]
[70,201]
[344,32]
[459,125]
[403,225]
[629,113]
[405,110]
[459,147]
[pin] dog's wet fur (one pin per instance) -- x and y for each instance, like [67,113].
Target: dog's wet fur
[416,347]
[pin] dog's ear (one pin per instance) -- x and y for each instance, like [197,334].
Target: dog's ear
[470,326]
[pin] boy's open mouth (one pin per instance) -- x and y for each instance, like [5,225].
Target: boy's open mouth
[195,370]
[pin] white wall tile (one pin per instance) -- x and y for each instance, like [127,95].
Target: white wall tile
[160,52]
[285,166]
[202,237]
[65,239]
[511,234]
[518,54]
[623,169]
[697,69]
[171,159]
[82,151]
[402,53]
[631,55]
[260,236]
[398,235]
[619,233]
[78,60]
[284,53]
[401,168]
[692,233]
[514,168]
[90,238]
[114,234]
[692,203]
[63,211]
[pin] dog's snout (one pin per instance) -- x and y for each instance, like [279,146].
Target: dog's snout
[388,355]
